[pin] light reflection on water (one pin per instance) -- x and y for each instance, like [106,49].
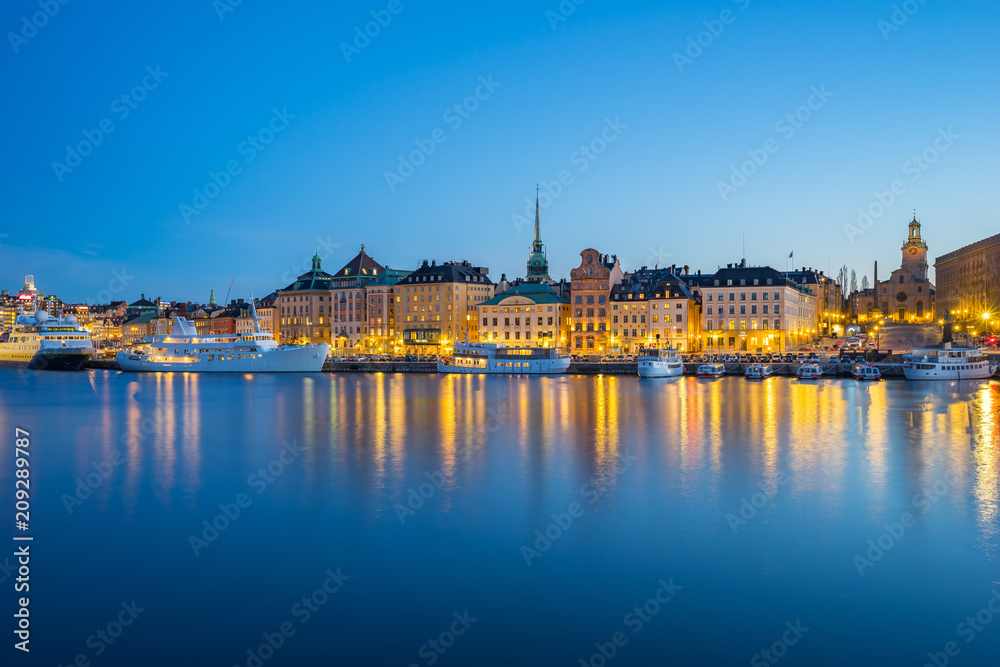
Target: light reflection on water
[510,453]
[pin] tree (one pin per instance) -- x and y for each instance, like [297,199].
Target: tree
[864,283]
[854,282]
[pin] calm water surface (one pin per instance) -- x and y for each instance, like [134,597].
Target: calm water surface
[427,496]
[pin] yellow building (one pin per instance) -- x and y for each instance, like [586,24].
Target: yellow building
[527,315]
[908,296]
[439,303]
[590,292]
[304,307]
[968,281]
[654,309]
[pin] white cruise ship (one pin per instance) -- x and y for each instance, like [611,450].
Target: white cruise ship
[492,358]
[660,364]
[947,363]
[42,342]
[184,351]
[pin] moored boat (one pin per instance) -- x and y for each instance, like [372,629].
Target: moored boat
[660,364]
[183,350]
[42,342]
[948,363]
[758,371]
[810,371]
[866,371]
[493,358]
[711,370]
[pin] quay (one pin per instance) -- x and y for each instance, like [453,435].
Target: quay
[890,368]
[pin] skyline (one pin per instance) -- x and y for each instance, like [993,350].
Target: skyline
[874,97]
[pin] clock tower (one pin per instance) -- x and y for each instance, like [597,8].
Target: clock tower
[915,252]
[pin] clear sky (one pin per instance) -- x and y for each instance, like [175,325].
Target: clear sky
[665,121]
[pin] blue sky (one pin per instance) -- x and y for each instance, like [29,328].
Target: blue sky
[648,190]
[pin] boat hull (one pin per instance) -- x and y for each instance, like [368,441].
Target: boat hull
[46,361]
[938,374]
[660,369]
[294,359]
[492,367]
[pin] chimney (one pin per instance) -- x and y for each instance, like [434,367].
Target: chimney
[687,270]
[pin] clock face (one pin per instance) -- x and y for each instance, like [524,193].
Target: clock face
[913,251]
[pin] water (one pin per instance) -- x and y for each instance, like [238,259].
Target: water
[421,495]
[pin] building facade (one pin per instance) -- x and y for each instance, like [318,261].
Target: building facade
[304,307]
[528,315]
[439,303]
[908,295]
[968,281]
[654,309]
[350,300]
[755,309]
[590,293]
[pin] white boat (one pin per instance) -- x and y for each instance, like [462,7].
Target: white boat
[810,371]
[758,371]
[184,351]
[660,363]
[42,342]
[866,371]
[493,358]
[948,363]
[711,370]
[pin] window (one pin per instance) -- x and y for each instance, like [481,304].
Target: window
[601,299]
[590,298]
[709,297]
[743,310]
[753,295]
[679,318]
[743,296]
[777,309]
[753,309]
[614,319]
[732,296]
[579,299]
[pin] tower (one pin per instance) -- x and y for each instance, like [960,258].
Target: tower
[915,251]
[538,263]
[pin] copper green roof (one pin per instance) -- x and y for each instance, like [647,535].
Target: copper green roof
[536,292]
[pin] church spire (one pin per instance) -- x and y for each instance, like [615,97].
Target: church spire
[538,225]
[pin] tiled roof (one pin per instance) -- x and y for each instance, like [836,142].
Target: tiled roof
[449,272]
[362,265]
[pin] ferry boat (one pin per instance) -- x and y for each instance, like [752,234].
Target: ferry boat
[866,371]
[183,350]
[493,358]
[810,371]
[758,371]
[660,363]
[42,342]
[948,363]
[711,370]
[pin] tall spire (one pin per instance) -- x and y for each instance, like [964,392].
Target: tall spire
[538,265]
[538,225]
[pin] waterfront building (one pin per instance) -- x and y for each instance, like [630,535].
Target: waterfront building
[267,314]
[968,281]
[829,297]
[754,309]
[384,336]
[9,307]
[908,295]
[592,282]
[654,309]
[304,307]
[439,303]
[349,300]
[530,314]
[28,294]
[142,306]
[136,328]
